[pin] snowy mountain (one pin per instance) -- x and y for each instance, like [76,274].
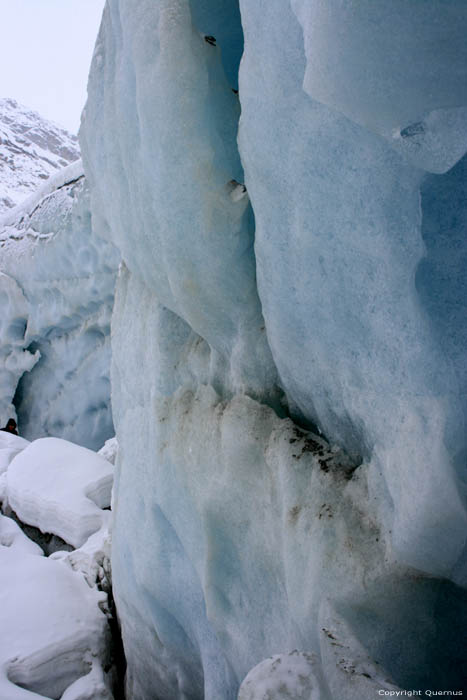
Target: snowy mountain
[31,149]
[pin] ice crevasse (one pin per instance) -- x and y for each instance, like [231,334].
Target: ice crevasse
[288,340]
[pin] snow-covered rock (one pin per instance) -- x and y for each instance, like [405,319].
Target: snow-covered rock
[57,302]
[61,488]
[31,150]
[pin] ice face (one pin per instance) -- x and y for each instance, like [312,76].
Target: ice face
[163,192]
[407,83]
[64,279]
[16,359]
[344,279]
[240,533]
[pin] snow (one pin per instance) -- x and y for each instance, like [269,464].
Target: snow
[55,635]
[292,676]
[57,300]
[31,150]
[13,537]
[61,488]
[10,446]
[110,450]
[52,627]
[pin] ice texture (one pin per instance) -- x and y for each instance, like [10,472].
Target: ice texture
[408,84]
[162,191]
[288,388]
[15,358]
[347,283]
[57,297]
[61,488]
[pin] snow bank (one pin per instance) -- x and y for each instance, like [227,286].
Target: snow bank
[293,676]
[13,537]
[60,488]
[53,631]
[10,446]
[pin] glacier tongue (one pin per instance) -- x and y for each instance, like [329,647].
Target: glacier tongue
[336,299]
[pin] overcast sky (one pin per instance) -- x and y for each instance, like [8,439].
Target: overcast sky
[45,52]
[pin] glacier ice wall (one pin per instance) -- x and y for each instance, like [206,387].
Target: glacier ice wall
[340,241]
[311,278]
[15,357]
[65,276]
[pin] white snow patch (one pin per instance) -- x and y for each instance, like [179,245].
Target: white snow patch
[110,450]
[293,676]
[10,446]
[53,631]
[60,488]
[13,537]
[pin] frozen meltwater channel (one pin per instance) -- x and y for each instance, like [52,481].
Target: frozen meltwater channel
[239,533]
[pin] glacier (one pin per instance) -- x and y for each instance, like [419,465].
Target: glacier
[57,280]
[288,341]
[277,190]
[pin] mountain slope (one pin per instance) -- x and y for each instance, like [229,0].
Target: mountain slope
[31,149]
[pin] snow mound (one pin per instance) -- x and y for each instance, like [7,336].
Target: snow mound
[31,149]
[53,632]
[13,537]
[110,450]
[293,676]
[10,446]
[61,488]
